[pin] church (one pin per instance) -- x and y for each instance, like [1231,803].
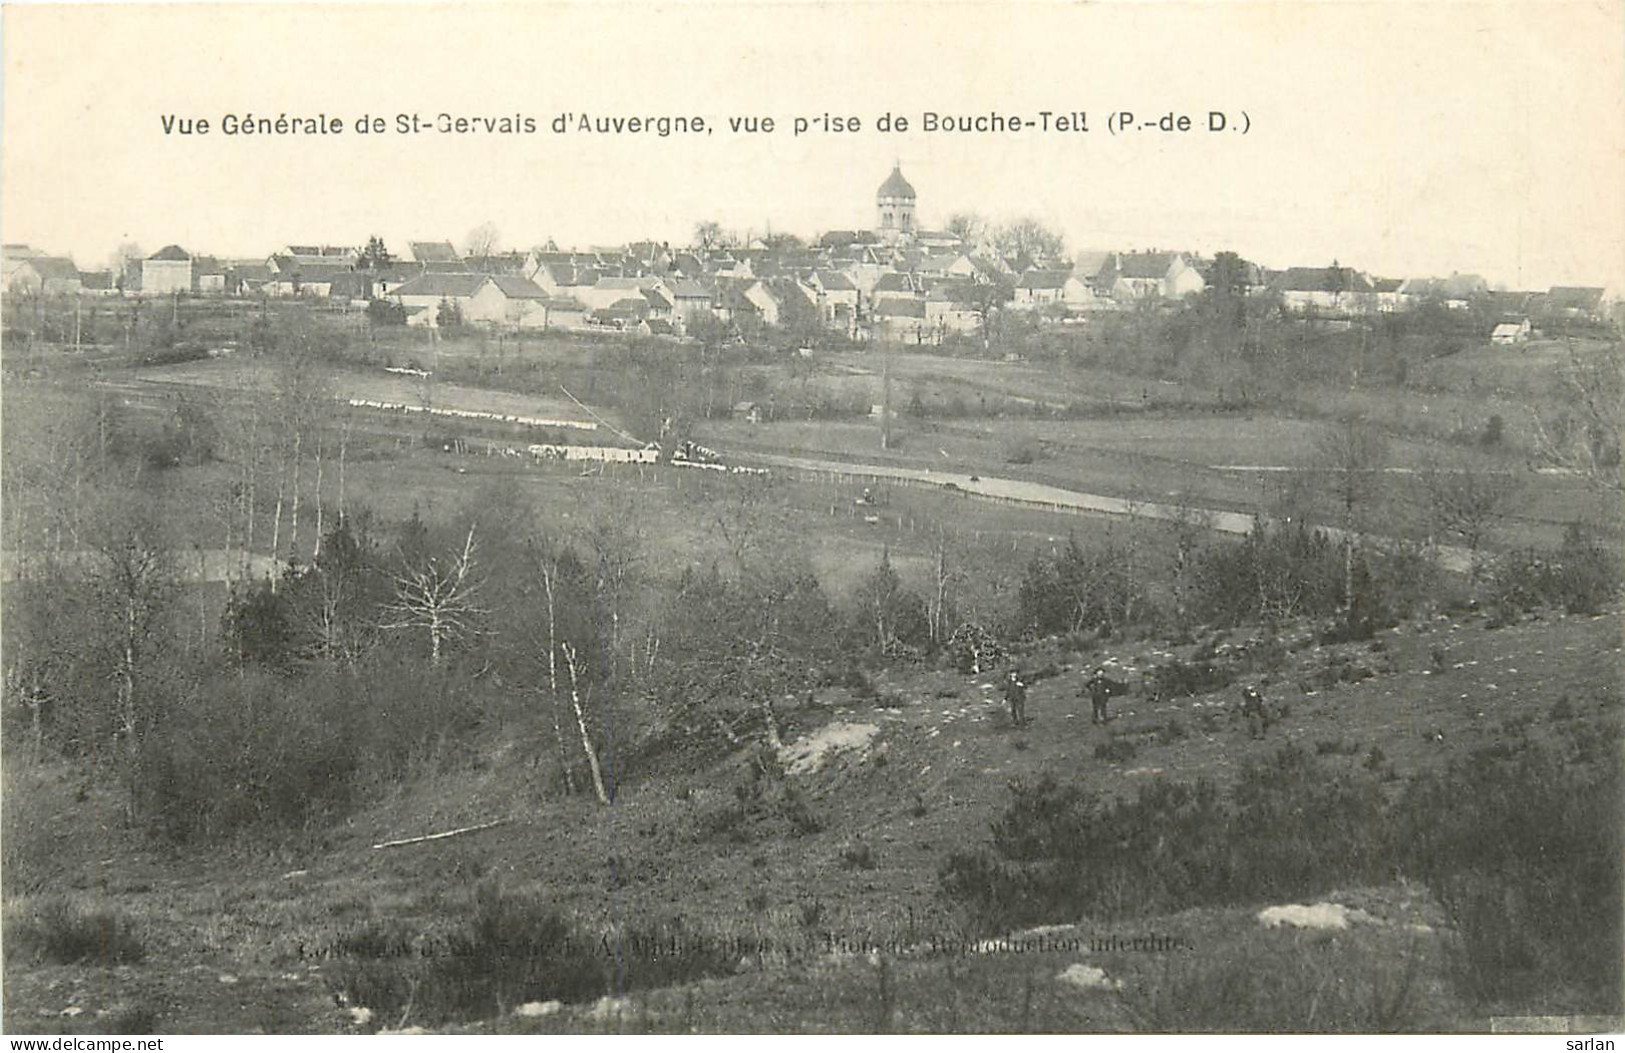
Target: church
[894,208]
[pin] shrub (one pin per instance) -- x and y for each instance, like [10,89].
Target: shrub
[1515,842]
[1200,676]
[975,649]
[58,931]
[858,856]
[1171,732]
[1582,577]
[510,949]
[1116,751]
[1265,984]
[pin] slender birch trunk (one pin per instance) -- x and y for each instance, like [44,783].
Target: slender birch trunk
[581,723]
[553,683]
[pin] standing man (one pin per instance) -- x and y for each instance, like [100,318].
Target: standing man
[1253,709]
[1100,688]
[1015,693]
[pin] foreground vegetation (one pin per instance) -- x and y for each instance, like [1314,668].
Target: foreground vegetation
[628,676]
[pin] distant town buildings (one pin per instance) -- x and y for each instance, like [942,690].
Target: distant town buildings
[896,281]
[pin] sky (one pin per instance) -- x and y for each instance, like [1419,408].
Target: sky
[1405,139]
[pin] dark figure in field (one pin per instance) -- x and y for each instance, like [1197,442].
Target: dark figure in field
[1100,688]
[1253,709]
[1015,693]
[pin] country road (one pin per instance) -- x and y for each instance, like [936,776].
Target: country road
[1043,495]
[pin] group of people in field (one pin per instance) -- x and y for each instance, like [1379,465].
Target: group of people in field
[1099,688]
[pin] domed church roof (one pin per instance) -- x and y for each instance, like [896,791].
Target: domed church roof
[895,185]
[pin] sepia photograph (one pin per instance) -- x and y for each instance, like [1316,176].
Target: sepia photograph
[779,517]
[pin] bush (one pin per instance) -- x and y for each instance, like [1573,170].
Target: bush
[1582,577]
[1516,844]
[1268,985]
[1524,850]
[267,752]
[512,949]
[858,856]
[1171,732]
[1200,676]
[1117,751]
[57,931]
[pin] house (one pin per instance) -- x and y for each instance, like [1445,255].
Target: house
[509,300]
[247,277]
[391,276]
[497,263]
[558,276]
[951,307]
[352,287]
[321,255]
[1098,270]
[662,308]
[1333,291]
[864,270]
[1456,292]
[937,240]
[690,298]
[290,277]
[169,270]
[837,300]
[566,312]
[430,289]
[1513,332]
[606,291]
[1164,275]
[98,283]
[902,321]
[762,298]
[940,264]
[12,256]
[433,252]
[1038,288]
[1568,301]
[1387,295]
[734,302]
[208,276]
[896,285]
[44,275]
[729,265]
[624,314]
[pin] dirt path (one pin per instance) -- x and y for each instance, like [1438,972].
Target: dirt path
[1057,498]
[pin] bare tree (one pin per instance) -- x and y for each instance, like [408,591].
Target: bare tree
[134,581]
[122,257]
[617,552]
[573,663]
[1030,237]
[1465,502]
[482,242]
[1353,455]
[1583,437]
[969,227]
[945,577]
[438,597]
[709,234]
[1191,526]
[742,510]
